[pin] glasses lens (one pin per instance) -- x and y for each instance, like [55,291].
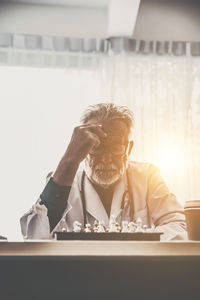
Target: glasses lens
[118,149]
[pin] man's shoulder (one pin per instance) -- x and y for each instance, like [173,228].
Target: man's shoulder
[143,168]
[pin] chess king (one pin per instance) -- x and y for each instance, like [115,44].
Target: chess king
[96,179]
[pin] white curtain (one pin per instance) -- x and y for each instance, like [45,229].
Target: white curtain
[40,107]
[164,94]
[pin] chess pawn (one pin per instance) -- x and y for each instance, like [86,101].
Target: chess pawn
[112,219]
[112,227]
[124,226]
[100,227]
[63,222]
[139,225]
[77,226]
[117,227]
[112,223]
[95,226]
[87,228]
[145,228]
[131,227]
[153,227]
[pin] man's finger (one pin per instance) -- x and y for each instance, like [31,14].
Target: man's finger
[95,138]
[95,128]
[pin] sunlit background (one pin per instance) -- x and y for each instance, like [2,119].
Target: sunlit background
[41,106]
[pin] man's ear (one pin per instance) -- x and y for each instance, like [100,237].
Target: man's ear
[131,144]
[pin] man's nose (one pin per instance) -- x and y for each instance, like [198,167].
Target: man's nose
[106,157]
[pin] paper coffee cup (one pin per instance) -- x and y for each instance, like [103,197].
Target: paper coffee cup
[192,213]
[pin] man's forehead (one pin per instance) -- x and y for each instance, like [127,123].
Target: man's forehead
[114,127]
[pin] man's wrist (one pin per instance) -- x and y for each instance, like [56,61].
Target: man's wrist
[65,172]
[54,192]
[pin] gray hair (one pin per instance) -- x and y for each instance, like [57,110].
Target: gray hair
[108,111]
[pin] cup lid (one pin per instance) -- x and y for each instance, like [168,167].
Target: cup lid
[192,203]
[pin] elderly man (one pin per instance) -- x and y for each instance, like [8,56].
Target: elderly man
[95,179]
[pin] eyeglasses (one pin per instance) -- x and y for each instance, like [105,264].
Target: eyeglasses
[115,149]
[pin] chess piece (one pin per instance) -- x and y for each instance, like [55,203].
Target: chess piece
[152,229]
[63,223]
[88,227]
[145,228]
[100,227]
[139,225]
[77,226]
[112,223]
[95,226]
[124,226]
[131,227]
[117,227]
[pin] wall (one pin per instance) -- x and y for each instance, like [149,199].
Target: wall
[157,20]
[53,20]
[171,20]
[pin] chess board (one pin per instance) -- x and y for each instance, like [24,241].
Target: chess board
[108,236]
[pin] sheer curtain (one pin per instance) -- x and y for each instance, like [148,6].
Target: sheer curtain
[164,94]
[40,107]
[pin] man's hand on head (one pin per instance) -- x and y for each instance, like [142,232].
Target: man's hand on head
[83,139]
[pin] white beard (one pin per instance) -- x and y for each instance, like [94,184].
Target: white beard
[103,175]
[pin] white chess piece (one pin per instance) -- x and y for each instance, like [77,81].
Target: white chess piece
[100,227]
[124,226]
[112,218]
[139,225]
[117,227]
[112,223]
[63,222]
[152,229]
[77,226]
[131,227]
[87,227]
[95,226]
[145,228]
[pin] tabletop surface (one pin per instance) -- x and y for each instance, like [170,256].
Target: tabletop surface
[99,248]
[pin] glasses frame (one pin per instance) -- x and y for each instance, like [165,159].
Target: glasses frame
[107,146]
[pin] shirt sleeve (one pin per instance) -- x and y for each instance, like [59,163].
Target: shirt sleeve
[166,212]
[55,197]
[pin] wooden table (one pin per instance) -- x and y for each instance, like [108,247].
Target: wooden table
[99,270]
